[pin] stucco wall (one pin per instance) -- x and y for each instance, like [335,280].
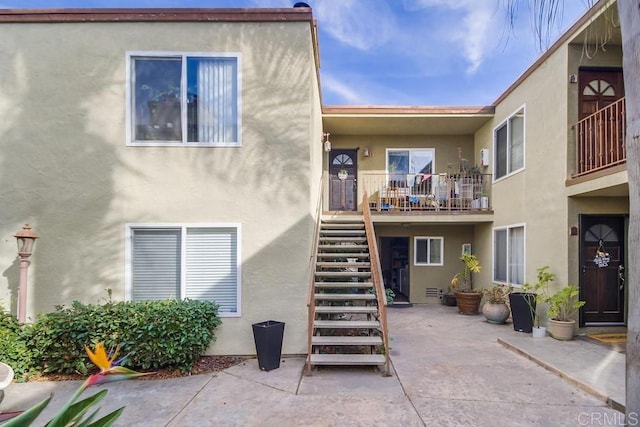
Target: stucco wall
[537,195]
[65,167]
[534,196]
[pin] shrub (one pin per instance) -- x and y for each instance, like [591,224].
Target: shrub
[154,334]
[14,350]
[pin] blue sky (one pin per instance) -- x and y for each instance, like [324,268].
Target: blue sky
[400,52]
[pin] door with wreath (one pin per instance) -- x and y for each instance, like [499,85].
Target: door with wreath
[342,180]
[602,256]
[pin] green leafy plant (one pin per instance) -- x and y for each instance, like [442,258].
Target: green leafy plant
[471,265]
[155,334]
[14,348]
[561,305]
[389,294]
[74,412]
[541,291]
[564,304]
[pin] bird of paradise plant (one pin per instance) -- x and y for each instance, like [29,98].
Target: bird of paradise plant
[73,413]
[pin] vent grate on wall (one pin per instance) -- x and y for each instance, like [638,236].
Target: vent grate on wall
[431,293]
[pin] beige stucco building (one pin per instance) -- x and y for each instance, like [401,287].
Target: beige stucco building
[114,178]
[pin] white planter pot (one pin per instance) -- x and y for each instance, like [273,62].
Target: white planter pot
[539,332]
[484,202]
[495,313]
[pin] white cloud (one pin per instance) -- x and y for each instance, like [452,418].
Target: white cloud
[341,90]
[475,32]
[356,23]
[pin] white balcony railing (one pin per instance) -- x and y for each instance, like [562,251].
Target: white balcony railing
[392,192]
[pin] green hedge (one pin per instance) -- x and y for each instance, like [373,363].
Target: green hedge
[153,335]
[14,348]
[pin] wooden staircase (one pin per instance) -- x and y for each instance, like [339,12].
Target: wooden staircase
[345,317]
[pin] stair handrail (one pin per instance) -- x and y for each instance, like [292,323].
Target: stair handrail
[376,275]
[312,266]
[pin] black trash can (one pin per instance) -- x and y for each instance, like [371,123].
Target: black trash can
[523,308]
[268,338]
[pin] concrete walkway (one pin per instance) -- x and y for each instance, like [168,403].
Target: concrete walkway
[448,370]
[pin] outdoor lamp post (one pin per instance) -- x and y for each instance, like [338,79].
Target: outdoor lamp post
[26,239]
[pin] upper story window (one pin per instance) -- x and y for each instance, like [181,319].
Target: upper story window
[509,145]
[183,99]
[405,164]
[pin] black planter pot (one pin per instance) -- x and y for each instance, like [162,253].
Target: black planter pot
[523,308]
[449,299]
[268,338]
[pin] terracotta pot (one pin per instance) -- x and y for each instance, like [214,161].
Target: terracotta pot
[495,312]
[561,330]
[468,302]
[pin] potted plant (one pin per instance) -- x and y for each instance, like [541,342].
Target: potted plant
[495,308]
[540,293]
[449,298]
[563,306]
[467,298]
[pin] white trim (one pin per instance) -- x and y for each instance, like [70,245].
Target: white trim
[415,251]
[129,227]
[183,55]
[493,252]
[507,122]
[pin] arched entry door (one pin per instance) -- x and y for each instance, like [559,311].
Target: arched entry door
[599,88]
[342,180]
[602,258]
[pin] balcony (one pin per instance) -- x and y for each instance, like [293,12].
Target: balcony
[426,193]
[600,139]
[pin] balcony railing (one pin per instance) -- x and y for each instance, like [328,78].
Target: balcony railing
[393,192]
[600,139]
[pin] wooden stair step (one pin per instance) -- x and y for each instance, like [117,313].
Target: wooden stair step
[344,285]
[352,247]
[335,309]
[345,340]
[346,324]
[342,239]
[343,264]
[341,233]
[342,226]
[343,274]
[343,297]
[342,255]
[348,359]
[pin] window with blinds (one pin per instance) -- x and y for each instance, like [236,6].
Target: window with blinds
[186,262]
[181,99]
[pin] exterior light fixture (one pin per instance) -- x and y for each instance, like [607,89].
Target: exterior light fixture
[367,152]
[327,143]
[25,239]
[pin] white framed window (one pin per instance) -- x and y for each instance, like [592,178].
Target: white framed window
[176,261]
[428,251]
[183,99]
[508,145]
[405,163]
[509,254]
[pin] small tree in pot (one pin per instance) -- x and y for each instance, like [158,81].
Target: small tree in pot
[563,306]
[468,299]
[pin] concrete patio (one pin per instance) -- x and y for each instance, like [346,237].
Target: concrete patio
[448,369]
